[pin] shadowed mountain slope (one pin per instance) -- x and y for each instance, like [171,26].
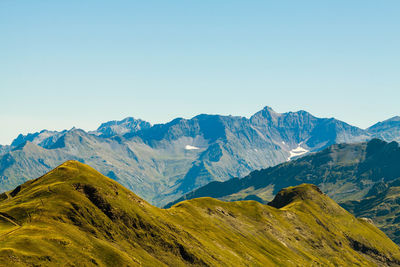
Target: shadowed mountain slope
[344,172]
[75,216]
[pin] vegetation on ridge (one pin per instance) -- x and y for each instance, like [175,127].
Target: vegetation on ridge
[75,216]
[382,205]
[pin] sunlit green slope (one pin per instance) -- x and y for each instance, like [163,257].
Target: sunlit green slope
[382,205]
[75,216]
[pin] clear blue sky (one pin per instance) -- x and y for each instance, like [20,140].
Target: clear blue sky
[80,63]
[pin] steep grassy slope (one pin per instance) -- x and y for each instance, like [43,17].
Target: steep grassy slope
[75,216]
[344,172]
[382,204]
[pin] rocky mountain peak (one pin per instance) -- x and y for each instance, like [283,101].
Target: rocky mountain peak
[395,118]
[294,193]
[127,125]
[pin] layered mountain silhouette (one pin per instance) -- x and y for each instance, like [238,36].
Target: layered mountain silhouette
[74,215]
[165,161]
[363,177]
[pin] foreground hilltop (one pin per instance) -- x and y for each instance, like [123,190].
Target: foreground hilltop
[73,215]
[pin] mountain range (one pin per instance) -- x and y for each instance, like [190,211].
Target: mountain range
[165,161]
[364,178]
[75,216]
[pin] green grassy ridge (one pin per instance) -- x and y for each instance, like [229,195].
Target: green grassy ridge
[383,206]
[73,215]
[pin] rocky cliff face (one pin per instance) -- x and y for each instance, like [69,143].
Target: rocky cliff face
[387,130]
[125,126]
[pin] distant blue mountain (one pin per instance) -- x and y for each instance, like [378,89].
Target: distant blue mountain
[386,130]
[165,161]
[125,126]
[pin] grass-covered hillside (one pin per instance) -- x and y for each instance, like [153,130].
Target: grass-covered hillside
[74,216]
[383,205]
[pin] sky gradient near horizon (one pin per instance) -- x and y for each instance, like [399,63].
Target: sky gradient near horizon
[80,63]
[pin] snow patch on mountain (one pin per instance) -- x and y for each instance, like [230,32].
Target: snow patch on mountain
[298,151]
[189,147]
